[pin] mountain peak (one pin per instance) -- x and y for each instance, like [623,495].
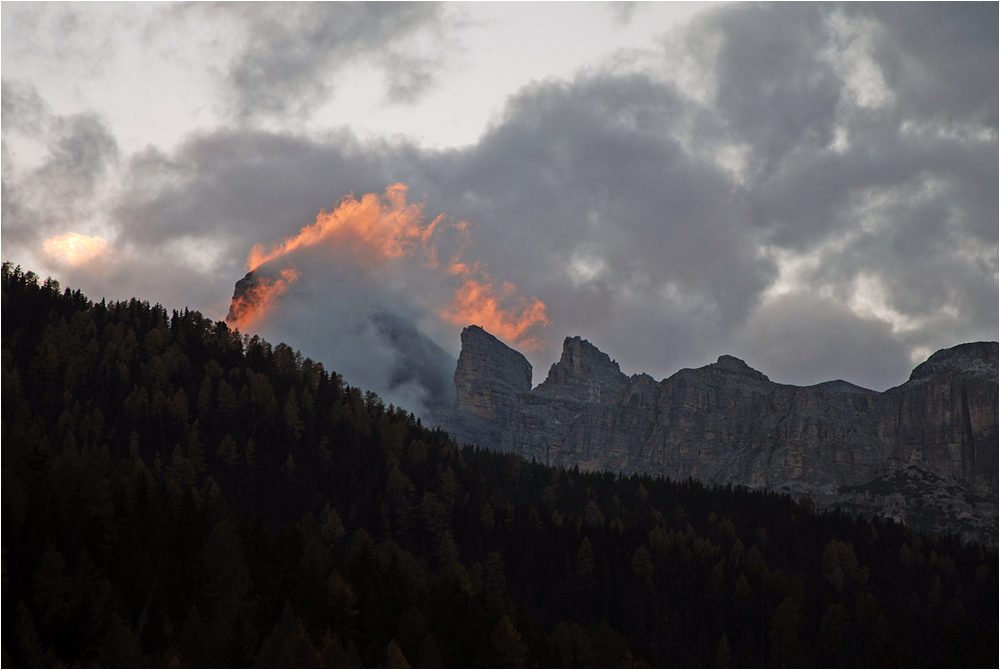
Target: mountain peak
[584,373]
[731,365]
[977,359]
[581,358]
[490,375]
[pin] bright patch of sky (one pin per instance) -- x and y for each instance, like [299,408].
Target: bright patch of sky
[156,78]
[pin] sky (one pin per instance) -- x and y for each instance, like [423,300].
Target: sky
[812,188]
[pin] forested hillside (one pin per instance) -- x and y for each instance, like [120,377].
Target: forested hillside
[176,493]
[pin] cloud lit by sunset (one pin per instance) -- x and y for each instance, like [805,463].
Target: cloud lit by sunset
[501,312]
[376,226]
[256,297]
[75,248]
[380,228]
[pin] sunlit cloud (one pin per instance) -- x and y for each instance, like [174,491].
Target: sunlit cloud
[501,311]
[376,229]
[257,299]
[75,248]
[376,226]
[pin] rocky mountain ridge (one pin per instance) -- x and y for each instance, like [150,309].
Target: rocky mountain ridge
[924,452]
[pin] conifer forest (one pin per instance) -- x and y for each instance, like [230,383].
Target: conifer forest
[178,494]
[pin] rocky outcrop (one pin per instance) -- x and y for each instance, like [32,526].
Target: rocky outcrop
[489,380]
[243,300]
[944,419]
[726,423]
[490,375]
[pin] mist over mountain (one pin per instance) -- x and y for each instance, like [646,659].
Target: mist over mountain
[420,363]
[369,335]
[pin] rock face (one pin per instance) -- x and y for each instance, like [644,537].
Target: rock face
[726,423]
[490,375]
[242,300]
[489,380]
[944,419]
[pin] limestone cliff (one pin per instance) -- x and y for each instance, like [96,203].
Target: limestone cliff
[489,380]
[944,419]
[835,442]
[490,375]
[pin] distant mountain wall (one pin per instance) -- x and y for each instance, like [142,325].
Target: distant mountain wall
[924,452]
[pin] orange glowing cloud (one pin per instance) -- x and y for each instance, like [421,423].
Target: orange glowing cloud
[75,248]
[501,312]
[255,296]
[378,228]
[385,227]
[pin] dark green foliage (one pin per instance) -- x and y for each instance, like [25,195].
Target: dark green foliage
[174,493]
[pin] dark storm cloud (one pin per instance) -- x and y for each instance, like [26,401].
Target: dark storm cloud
[909,198]
[294,52]
[814,192]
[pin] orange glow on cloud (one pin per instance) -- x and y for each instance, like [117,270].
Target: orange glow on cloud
[385,227]
[477,302]
[379,228]
[257,300]
[75,248]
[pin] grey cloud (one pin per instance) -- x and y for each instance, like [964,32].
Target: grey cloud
[592,167]
[76,36]
[294,52]
[800,339]
[80,150]
[622,12]
[407,77]
[11,207]
[773,85]
[251,186]
[23,110]
[601,171]
[594,170]
[420,363]
[361,321]
[816,193]
[918,214]
[911,201]
[939,57]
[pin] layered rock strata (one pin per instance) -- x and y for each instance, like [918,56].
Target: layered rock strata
[726,423]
